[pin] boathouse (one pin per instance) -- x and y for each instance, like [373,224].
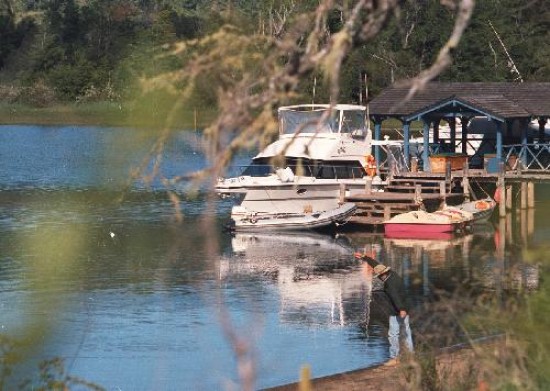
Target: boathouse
[515,116]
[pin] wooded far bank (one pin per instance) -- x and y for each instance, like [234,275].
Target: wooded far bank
[98,51]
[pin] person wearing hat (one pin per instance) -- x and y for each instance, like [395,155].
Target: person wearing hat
[394,294]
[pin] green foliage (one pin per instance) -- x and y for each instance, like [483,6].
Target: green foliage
[13,33]
[99,45]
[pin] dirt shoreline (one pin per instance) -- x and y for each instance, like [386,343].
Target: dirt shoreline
[452,366]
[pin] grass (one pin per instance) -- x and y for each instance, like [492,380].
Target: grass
[123,114]
[101,114]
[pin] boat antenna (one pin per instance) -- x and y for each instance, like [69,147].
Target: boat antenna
[367,102]
[511,63]
[360,90]
[314,88]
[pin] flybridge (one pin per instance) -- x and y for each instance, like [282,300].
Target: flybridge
[322,119]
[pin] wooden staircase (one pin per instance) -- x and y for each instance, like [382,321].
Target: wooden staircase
[400,195]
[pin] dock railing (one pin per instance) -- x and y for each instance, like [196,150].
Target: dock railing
[527,157]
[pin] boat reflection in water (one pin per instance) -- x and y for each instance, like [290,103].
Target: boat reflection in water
[318,280]
[455,261]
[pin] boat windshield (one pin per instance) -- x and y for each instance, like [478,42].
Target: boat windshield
[317,120]
[312,121]
[353,120]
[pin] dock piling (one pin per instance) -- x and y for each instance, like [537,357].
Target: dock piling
[523,195]
[509,196]
[530,195]
[502,190]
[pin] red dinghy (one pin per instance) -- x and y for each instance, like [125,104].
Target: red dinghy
[420,224]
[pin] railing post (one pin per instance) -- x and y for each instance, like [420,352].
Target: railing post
[368,185]
[466,187]
[342,197]
[387,212]
[406,147]
[426,151]
[377,137]
[418,194]
[524,124]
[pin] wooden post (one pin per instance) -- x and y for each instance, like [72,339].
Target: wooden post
[452,126]
[387,212]
[342,197]
[464,123]
[523,195]
[530,195]
[466,188]
[509,190]
[448,171]
[500,247]
[393,167]
[443,191]
[417,194]
[368,185]
[501,189]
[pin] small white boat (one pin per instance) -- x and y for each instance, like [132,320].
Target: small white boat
[423,225]
[246,220]
[481,210]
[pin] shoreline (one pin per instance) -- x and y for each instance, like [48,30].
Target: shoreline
[452,365]
[99,114]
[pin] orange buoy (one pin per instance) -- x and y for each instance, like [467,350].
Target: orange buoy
[370,166]
[482,205]
[496,197]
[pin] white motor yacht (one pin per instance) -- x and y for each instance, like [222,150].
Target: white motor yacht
[319,149]
[316,142]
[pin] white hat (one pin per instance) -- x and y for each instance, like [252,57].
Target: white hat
[381,269]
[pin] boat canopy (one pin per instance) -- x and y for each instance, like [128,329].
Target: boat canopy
[321,119]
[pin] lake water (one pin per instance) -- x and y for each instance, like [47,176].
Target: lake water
[95,267]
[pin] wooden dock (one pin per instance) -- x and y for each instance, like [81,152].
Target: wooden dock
[410,191]
[401,194]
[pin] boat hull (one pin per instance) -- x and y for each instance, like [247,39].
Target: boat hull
[419,230]
[243,221]
[482,210]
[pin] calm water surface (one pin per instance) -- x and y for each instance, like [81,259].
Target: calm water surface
[95,266]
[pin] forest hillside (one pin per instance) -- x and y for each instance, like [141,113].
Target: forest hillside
[97,50]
